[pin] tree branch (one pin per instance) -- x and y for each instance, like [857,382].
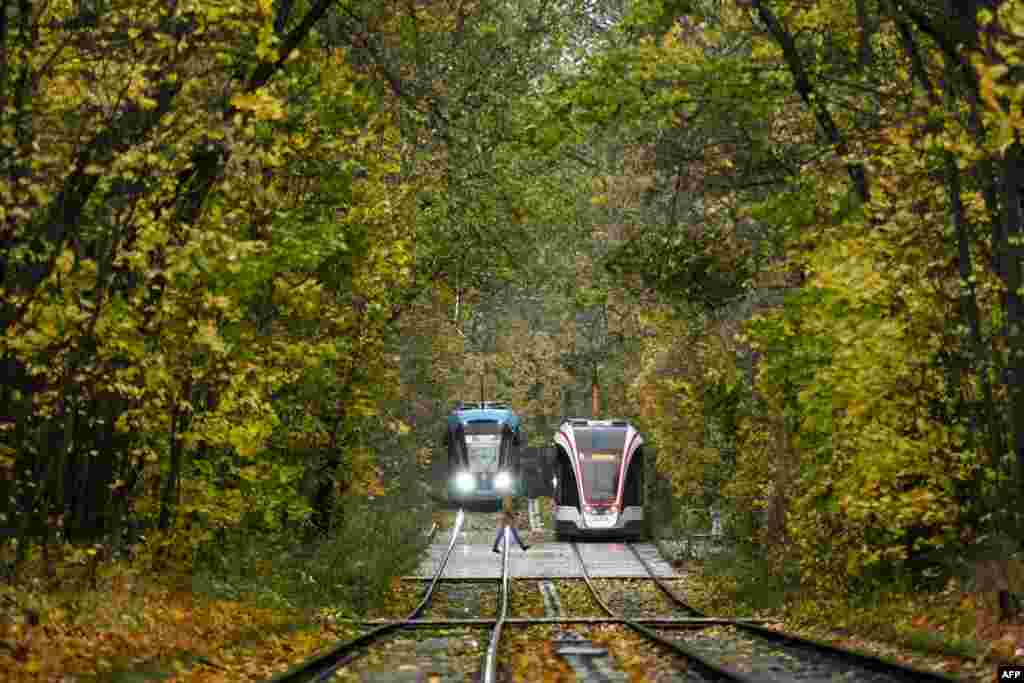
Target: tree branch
[265,70]
[60,220]
[284,11]
[858,175]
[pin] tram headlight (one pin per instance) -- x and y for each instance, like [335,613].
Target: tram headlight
[464,481]
[503,481]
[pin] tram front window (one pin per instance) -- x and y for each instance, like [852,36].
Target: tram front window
[600,449]
[483,450]
[600,478]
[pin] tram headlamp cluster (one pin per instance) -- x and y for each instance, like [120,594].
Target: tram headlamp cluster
[503,481]
[464,481]
[592,509]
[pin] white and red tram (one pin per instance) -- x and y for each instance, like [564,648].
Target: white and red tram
[599,479]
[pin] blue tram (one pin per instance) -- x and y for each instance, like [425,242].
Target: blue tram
[483,441]
[599,479]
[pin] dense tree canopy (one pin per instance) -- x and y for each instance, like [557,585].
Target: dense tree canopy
[239,243]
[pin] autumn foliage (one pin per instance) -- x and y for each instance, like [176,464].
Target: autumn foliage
[249,253]
[828,235]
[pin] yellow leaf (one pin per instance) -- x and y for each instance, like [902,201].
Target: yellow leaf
[207,335]
[66,261]
[262,104]
[1005,135]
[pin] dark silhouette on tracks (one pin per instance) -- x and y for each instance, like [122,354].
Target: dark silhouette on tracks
[506,518]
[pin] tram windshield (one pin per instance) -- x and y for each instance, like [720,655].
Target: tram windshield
[483,449]
[600,450]
[483,445]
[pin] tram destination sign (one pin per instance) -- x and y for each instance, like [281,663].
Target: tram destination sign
[604,456]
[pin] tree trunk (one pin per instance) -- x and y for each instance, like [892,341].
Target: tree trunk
[169,494]
[1013,166]
[981,363]
[323,496]
[865,54]
[802,82]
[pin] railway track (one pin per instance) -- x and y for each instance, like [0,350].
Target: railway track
[322,666]
[708,668]
[767,655]
[798,658]
[491,659]
[703,655]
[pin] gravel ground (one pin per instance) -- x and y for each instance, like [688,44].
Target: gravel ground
[681,587]
[527,655]
[770,660]
[637,598]
[429,656]
[576,599]
[643,660]
[463,600]
[692,588]
[526,599]
[400,601]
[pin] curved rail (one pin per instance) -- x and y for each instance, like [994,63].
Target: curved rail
[664,587]
[322,666]
[456,528]
[869,662]
[660,622]
[705,666]
[491,658]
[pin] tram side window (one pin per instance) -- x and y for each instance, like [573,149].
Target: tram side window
[457,446]
[567,492]
[633,492]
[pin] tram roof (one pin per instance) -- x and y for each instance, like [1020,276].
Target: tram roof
[585,423]
[501,415]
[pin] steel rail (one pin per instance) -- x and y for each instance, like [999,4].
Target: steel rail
[706,666]
[322,666]
[869,662]
[525,577]
[491,658]
[664,587]
[455,580]
[660,622]
[460,518]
